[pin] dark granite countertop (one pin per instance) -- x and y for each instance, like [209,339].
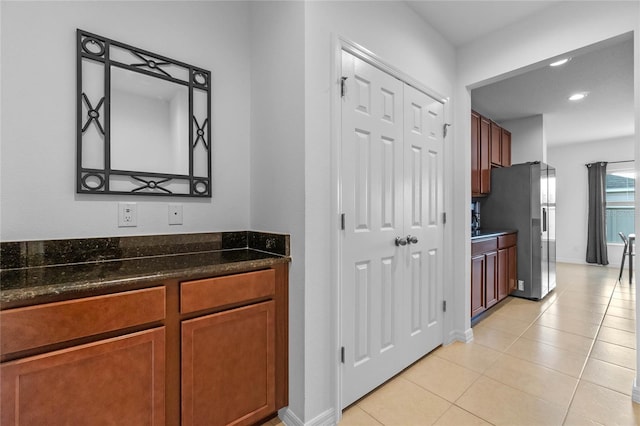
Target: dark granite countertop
[487,233]
[27,285]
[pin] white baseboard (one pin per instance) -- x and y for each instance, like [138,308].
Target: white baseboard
[460,336]
[635,392]
[289,418]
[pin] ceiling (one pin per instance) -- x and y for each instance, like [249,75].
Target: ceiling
[463,21]
[605,71]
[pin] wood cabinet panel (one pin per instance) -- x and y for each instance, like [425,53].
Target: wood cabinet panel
[508,240]
[491,279]
[483,246]
[41,325]
[503,273]
[477,284]
[485,156]
[512,275]
[228,366]
[505,146]
[496,144]
[118,381]
[227,290]
[475,154]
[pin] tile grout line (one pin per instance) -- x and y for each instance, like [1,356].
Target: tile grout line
[593,343]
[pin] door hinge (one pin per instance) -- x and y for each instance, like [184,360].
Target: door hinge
[342,354]
[342,221]
[343,86]
[444,306]
[444,218]
[444,129]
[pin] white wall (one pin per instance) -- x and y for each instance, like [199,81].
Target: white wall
[527,139]
[277,154]
[38,116]
[573,193]
[396,34]
[563,27]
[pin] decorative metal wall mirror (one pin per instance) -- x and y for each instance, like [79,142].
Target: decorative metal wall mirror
[143,122]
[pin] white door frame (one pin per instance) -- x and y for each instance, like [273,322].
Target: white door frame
[339,44]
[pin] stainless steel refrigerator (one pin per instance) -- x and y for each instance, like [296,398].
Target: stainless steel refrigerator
[523,197]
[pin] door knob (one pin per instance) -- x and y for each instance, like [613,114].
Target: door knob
[411,240]
[401,241]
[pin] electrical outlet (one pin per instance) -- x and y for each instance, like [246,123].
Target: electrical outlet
[127,214]
[175,214]
[521,285]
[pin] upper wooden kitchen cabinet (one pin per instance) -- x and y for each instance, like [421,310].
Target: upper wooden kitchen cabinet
[500,146]
[505,147]
[480,155]
[496,145]
[490,147]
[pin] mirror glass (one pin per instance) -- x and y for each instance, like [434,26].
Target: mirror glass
[149,123]
[143,122]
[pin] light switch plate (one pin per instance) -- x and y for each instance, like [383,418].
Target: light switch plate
[175,214]
[127,214]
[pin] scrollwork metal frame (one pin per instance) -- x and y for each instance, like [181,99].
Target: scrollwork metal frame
[97,48]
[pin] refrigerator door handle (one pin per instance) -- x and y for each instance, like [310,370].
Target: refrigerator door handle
[544,219]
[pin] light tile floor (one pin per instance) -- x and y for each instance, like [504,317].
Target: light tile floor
[566,360]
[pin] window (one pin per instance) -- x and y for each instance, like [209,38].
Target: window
[620,198]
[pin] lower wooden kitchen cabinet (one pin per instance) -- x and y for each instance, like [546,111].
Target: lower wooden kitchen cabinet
[228,366]
[209,352]
[117,381]
[228,358]
[493,271]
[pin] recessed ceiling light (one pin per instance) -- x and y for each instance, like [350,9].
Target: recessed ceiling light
[578,96]
[560,62]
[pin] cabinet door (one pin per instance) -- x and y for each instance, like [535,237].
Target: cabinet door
[118,381]
[496,147]
[475,154]
[228,366]
[477,284]
[503,273]
[505,144]
[513,269]
[491,279]
[485,155]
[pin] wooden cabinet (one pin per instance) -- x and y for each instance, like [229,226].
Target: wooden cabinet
[500,146]
[480,155]
[505,147]
[493,271]
[477,284]
[490,147]
[475,153]
[228,367]
[496,145]
[491,279]
[117,380]
[212,351]
[229,372]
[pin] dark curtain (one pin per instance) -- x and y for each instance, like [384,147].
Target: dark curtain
[597,223]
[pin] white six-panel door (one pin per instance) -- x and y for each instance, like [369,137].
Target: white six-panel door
[391,186]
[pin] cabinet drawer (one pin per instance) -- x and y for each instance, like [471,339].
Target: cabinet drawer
[508,240]
[41,325]
[220,291]
[483,246]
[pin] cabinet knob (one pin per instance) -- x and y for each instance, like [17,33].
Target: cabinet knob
[411,239]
